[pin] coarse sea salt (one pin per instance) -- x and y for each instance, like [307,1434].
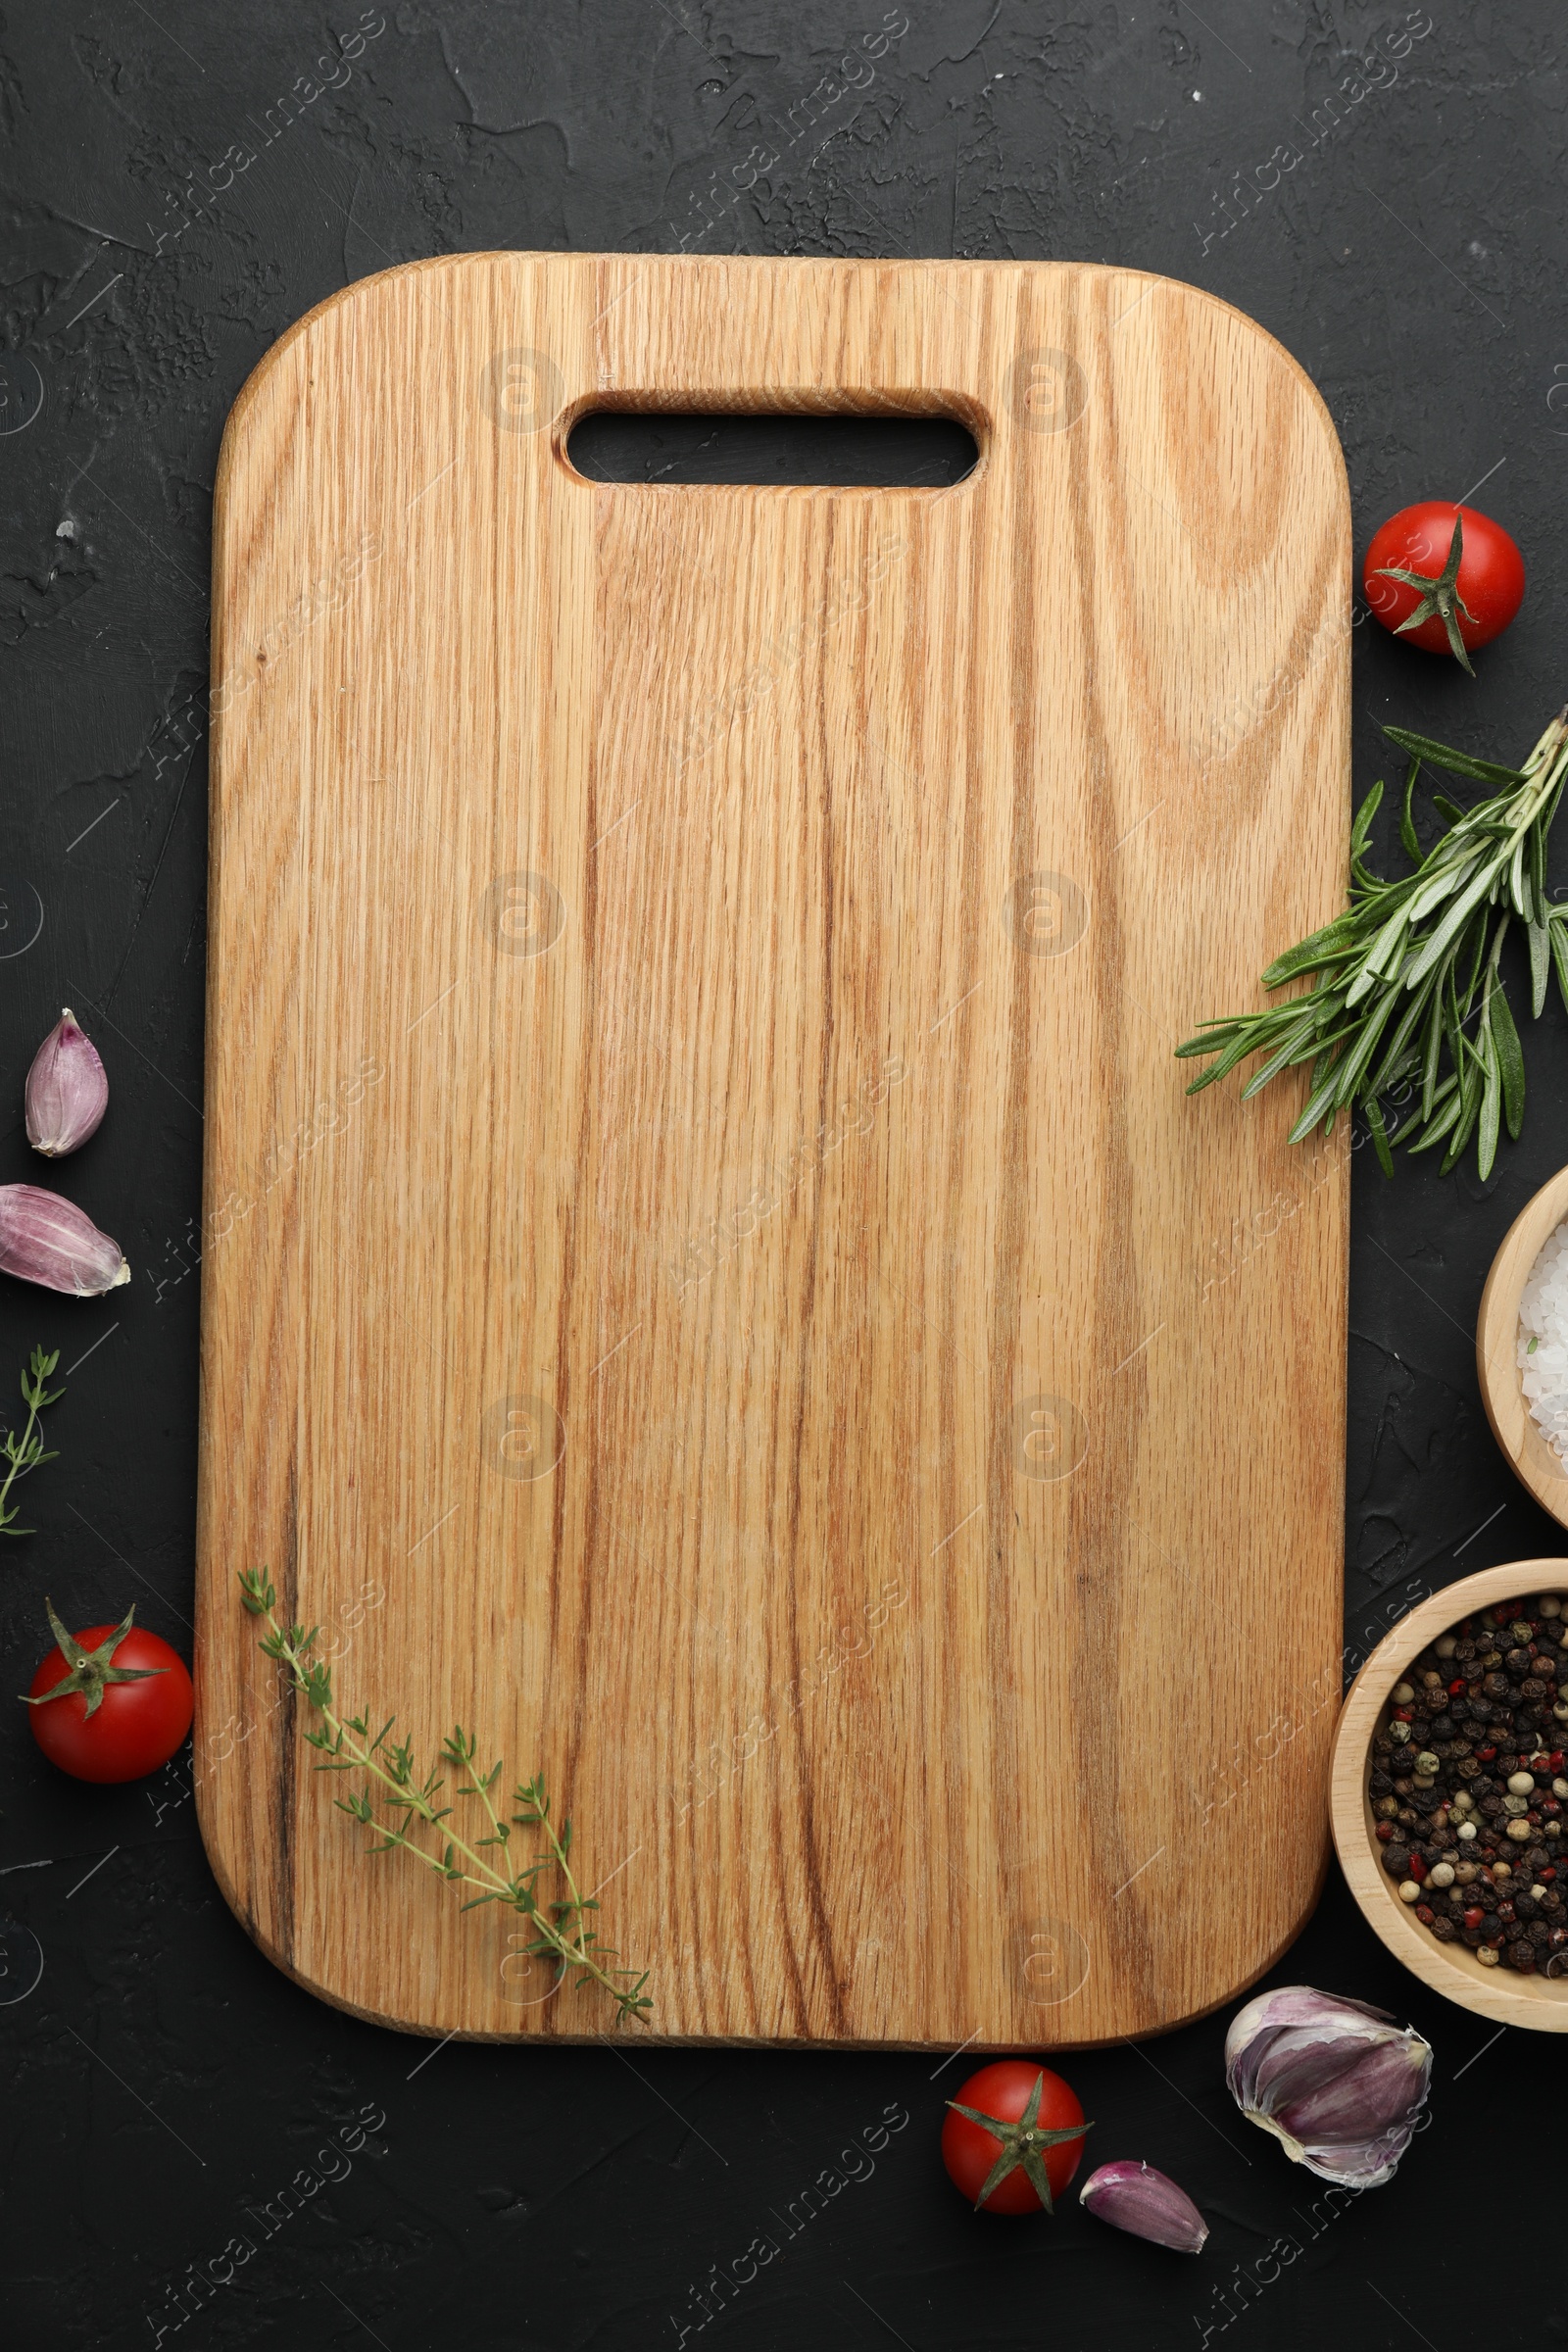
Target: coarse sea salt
[1543,1341]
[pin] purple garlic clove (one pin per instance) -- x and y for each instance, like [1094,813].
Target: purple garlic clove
[1338,2084]
[46,1239]
[1133,2196]
[67,1092]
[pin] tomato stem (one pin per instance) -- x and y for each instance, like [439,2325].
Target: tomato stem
[92,1670]
[1020,2144]
[1440,595]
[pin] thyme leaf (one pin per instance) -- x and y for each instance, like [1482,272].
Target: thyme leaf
[24,1454]
[403,1811]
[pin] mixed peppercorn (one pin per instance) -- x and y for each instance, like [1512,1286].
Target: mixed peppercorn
[1468,1786]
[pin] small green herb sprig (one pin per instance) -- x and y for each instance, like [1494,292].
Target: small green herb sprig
[561,1933]
[1410,979]
[26,1452]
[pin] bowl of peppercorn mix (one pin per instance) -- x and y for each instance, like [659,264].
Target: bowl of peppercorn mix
[1450,1792]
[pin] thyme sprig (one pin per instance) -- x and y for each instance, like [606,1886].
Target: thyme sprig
[26,1452]
[1407,984]
[562,1932]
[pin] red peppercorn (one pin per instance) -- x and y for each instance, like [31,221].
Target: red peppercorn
[1458,1689]
[1383,1831]
[1418,1869]
[1425,1914]
[1547,1875]
[1554,1760]
[1404,1714]
[1487,1755]
[1473,1916]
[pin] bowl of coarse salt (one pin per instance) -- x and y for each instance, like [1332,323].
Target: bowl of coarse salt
[1522,1346]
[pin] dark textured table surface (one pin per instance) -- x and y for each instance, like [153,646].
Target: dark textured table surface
[1380,189]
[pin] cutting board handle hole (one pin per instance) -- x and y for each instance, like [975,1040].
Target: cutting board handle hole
[774,449]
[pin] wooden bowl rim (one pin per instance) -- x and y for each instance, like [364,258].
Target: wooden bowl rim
[1448,1969]
[1497,1332]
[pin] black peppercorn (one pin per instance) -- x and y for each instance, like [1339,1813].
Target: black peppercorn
[1445,1929]
[1380,1784]
[1539,1935]
[1522,1956]
[1496,1686]
[1397,1861]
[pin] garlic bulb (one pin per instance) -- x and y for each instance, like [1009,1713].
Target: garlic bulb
[1133,2196]
[46,1239]
[67,1092]
[1339,2086]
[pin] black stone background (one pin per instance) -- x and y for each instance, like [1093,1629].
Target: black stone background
[162,2074]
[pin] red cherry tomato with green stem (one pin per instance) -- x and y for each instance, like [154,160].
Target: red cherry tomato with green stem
[1444,577]
[1013,2137]
[110,1703]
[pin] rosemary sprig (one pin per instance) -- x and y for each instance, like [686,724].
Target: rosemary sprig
[561,1933]
[26,1452]
[1407,984]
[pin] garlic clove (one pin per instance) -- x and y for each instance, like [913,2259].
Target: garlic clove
[1131,2195]
[50,1241]
[1369,2097]
[67,1092]
[1336,2081]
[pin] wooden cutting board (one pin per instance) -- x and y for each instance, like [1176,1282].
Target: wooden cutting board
[710,1278]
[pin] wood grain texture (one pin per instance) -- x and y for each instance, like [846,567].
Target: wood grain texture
[1450,1969]
[703,1222]
[1498,1347]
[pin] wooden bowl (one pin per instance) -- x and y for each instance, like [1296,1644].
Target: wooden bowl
[1497,1345]
[1450,1969]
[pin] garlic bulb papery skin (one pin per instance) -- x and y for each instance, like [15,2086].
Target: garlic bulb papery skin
[46,1239]
[1337,2083]
[67,1092]
[1132,2196]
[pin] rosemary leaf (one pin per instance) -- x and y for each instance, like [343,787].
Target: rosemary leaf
[1398,980]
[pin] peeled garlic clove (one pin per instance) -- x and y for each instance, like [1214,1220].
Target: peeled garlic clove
[67,1092]
[46,1239]
[1338,2086]
[1133,2196]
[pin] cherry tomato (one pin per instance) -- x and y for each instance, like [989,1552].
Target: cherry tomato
[110,1703]
[1457,570]
[1019,2121]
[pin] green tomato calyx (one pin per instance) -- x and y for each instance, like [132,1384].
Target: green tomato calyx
[1438,595]
[92,1670]
[1021,2143]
